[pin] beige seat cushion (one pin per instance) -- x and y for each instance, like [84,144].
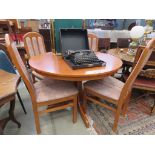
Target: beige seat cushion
[109,87]
[48,89]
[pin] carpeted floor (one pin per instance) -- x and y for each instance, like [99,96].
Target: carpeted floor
[137,122]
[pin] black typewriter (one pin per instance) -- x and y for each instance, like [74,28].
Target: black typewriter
[75,49]
[82,59]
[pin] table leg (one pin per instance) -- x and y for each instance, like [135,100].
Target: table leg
[1,131]
[11,113]
[80,102]
[3,123]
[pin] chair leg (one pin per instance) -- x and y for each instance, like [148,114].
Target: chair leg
[153,108]
[33,78]
[75,110]
[125,106]
[36,118]
[11,113]
[85,102]
[1,131]
[21,102]
[117,115]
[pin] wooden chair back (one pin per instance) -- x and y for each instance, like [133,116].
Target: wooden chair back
[150,62]
[104,43]
[34,44]
[136,70]
[123,42]
[93,42]
[14,54]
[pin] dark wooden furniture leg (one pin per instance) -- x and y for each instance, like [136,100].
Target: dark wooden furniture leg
[11,113]
[3,123]
[21,102]
[80,104]
[1,131]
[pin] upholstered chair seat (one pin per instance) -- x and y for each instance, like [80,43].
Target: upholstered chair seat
[48,89]
[108,87]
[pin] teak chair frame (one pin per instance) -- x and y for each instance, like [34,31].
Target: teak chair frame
[53,105]
[122,102]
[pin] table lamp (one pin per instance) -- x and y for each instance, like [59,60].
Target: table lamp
[148,30]
[136,34]
[149,26]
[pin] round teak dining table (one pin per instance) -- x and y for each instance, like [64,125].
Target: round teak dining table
[53,66]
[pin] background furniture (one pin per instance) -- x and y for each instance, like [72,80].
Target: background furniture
[112,34]
[115,91]
[123,55]
[123,42]
[4,49]
[5,27]
[93,42]
[103,43]
[56,95]
[104,24]
[52,66]
[47,38]
[8,84]
[6,65]
[144,82]
[34,24]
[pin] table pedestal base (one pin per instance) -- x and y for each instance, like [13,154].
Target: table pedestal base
[80,102]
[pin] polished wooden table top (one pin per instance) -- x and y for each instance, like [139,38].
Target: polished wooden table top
[123,55]
[51,65]
[8,83]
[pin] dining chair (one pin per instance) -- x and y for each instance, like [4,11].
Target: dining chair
[53,95]
[34,45]
[123,42]
[103,44]
[93,42]
[6,65]
[115,91]
[146,78]
[8,85]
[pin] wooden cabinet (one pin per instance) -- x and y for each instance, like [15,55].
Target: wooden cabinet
[47,38]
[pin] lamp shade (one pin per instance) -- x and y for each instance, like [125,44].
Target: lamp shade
[137,32]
